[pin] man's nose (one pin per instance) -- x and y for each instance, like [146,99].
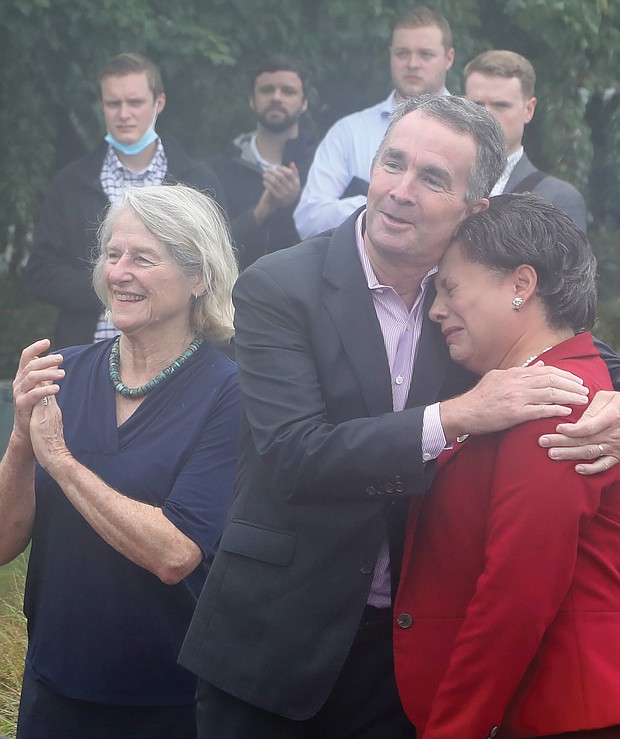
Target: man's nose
[404,190]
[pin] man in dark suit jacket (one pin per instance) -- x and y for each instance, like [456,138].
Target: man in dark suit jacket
[503,82]
[292,634]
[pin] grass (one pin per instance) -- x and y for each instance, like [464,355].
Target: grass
[12,642]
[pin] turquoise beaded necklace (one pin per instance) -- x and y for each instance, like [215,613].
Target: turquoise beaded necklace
[140,392]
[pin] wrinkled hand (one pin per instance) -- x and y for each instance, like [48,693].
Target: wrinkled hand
[34,380]
[505,398]
[47,433]
[595,436]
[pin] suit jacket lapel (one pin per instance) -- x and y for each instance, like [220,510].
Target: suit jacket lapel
[349,303]
[522,169]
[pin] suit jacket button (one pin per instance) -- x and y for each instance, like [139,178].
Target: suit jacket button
[398,485]
[389,488]
[493,732]
[371,490]
[404,620]
[367,568]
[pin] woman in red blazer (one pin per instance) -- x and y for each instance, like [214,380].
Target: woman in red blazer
[507,620]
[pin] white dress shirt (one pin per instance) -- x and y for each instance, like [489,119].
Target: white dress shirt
[346,152]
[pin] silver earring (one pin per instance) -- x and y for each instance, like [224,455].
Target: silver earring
[517,302]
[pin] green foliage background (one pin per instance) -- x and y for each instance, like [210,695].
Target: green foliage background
[51,50]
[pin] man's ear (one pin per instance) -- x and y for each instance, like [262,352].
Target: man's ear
[161,102]
[530,107]
[449,58]
[478,207]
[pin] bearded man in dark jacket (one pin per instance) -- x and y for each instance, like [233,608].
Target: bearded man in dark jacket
[263,171]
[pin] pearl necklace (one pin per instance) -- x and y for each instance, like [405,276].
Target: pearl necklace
[534,356]
[142,390]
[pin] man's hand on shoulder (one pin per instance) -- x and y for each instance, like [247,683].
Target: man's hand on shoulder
[505,398]
[595,436]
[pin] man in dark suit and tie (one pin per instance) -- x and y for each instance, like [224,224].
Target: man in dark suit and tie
[341,372]
[503,83]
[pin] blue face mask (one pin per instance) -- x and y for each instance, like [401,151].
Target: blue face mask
[138,146]
[135,148]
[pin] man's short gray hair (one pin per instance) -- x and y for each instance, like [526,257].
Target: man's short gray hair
[466,117]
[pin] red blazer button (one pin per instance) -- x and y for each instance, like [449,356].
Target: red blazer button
[404,620]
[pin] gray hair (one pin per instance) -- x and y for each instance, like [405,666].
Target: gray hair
[525,229]
[468,118]
[193,229]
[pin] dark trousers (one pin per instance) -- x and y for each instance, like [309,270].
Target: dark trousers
[364,703]
[45,714]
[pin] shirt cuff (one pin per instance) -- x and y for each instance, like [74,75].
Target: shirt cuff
[433,437]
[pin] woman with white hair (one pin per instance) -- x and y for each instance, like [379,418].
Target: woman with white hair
[119,472]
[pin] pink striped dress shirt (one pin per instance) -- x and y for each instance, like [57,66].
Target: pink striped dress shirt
[401,331]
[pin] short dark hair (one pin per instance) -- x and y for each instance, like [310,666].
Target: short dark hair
[525,229]
[282,63]
[503,63]
[132,63]
[422,17]
[466,117]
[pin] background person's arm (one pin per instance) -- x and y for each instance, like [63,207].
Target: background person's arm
[322,206]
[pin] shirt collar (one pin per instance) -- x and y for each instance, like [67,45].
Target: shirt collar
[511,163]
[391,103]
[513,160]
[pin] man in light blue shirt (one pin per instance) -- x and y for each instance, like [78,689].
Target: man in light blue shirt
[421,54]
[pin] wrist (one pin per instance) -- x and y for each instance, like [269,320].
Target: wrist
[455,420]
[20,448]
[261,211]
[59,465]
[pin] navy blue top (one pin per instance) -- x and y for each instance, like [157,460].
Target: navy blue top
[101,628]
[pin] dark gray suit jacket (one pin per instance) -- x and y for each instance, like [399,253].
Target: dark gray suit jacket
[558,192]
[325,471]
